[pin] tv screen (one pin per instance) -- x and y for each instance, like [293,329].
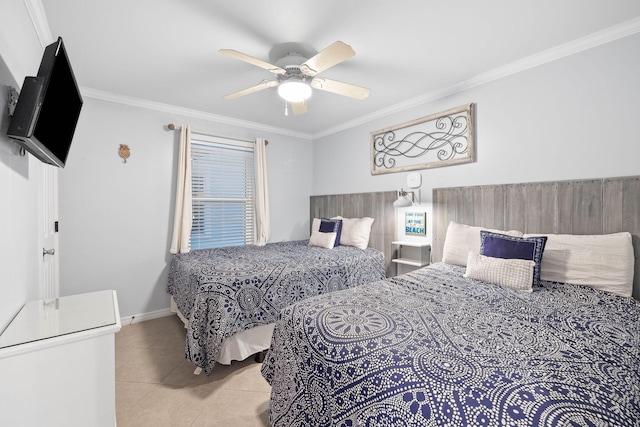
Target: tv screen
[48,108]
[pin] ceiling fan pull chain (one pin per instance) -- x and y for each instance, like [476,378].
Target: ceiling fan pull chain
[286,108]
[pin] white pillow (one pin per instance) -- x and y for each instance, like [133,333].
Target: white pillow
[603,262]
[516,274]
[323,240]
[356,231]
[462,239]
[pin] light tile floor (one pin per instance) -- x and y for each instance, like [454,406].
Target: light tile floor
[155,385]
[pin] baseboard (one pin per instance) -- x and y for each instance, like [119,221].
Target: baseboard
[146,316]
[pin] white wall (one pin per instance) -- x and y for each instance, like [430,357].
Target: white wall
[20,254]
[569,119]
[116,218]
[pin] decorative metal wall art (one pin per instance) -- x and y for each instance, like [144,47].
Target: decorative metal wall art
[442,139]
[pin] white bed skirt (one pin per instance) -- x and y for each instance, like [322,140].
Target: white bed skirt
[241,345]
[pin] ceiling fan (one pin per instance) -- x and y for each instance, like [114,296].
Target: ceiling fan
[297,75]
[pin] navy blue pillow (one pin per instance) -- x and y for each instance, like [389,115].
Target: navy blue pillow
[332,226]
[508,247]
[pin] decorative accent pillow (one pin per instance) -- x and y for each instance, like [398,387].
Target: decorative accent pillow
[516,274]
[509,247]
[323,240]
[356,231]
[604,262]
[462,239]
[332,226]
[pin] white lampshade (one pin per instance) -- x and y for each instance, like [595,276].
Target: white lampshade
[294,90]
[402,202]
[403,199]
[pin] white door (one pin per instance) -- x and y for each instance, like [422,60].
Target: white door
[49,270]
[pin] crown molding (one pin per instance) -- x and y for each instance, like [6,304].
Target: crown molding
[39,21]
[607,35]
[166,108]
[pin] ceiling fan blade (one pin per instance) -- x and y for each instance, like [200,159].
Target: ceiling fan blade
[256,88]
[327,58]
[299,108]
[340,88]
[251,60]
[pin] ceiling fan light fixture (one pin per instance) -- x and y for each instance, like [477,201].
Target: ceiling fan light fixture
[297,75]
[294,91]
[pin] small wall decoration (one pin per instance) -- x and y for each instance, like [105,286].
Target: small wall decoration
[124,152]
[415,223]
[441,139]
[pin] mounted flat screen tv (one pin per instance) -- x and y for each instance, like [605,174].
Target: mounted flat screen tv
[48,108]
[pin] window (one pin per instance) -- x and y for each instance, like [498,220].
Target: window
[222,192]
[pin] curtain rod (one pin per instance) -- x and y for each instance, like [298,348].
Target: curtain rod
[171,126]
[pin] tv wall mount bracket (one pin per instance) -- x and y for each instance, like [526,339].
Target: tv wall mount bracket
[11,106]
[13,100]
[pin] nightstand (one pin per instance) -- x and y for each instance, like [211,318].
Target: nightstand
[411,255]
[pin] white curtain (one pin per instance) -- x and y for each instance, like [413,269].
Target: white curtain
[262,193]
[183,215]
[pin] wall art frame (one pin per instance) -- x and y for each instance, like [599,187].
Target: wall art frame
[415,223]
[442,139]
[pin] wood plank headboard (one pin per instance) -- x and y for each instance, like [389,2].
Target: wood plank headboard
[590,206]
[377,205]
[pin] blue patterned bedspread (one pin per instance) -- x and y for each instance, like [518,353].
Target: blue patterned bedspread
[226,290]
[431,348]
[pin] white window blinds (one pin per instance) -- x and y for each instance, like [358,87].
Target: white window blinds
[222,192]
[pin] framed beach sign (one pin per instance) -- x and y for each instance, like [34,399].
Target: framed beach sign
[442,139]
[415,223]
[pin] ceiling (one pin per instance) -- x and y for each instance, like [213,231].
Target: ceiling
[165,52]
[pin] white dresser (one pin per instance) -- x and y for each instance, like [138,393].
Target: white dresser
[57,362]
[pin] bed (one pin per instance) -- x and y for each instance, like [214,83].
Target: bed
[442,346]
[225,291]
[229,298]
